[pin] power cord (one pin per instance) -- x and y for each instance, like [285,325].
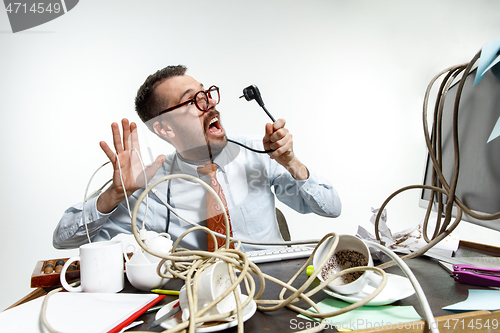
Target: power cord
[429,317]
[253,93]
[440,186]
[87,198]
[251,149]
[188,264]
[99,191]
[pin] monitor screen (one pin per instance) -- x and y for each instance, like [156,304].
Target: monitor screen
[479,176]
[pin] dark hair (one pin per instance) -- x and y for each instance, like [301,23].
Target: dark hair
[148,104]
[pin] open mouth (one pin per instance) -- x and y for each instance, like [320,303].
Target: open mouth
[214,127]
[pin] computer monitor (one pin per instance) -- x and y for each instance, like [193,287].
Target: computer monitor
[478,184]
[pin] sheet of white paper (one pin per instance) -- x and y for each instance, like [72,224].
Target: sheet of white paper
[408,240]
[74,312]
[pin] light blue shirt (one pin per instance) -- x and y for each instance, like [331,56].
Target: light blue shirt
[248,181]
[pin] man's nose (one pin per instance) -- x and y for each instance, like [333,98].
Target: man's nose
[211,102]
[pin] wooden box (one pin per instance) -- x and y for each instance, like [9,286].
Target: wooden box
[47,273]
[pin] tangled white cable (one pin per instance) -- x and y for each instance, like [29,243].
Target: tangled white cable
[188,264]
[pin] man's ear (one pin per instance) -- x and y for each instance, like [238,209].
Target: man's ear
[163,130]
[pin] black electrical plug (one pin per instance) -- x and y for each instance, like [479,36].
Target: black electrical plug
[252,92]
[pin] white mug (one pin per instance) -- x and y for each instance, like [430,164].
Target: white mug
[212,282]
[101,268]
[357,254]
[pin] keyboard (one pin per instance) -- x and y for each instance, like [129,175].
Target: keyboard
[278,254]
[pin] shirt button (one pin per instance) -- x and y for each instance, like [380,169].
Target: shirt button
[90,217]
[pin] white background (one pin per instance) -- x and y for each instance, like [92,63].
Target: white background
[348,76]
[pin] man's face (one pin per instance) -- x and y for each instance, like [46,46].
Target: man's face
[195,134]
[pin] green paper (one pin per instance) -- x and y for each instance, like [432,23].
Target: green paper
[367,317]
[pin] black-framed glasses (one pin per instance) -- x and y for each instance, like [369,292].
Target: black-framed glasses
[200,100]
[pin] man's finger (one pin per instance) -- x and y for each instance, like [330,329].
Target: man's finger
[126,134]
[279,135]
[153,168]
[109,153]
[117,139]
[280,123]
[269,131]
[134,137]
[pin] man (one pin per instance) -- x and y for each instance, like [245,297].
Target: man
[179,110]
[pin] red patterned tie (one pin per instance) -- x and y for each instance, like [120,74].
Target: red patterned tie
[215,217]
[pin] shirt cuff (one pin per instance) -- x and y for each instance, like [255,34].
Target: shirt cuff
[311,188]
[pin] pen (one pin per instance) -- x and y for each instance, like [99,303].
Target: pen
[176,308]
[155,308]
[165,292]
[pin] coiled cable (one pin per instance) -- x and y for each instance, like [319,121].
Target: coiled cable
[188,264]
[440,186]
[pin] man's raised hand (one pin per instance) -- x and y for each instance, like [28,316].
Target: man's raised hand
[125,158]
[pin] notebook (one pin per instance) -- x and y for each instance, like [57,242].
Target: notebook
[79,312]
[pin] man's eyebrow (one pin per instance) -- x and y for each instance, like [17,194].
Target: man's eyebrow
[188,92]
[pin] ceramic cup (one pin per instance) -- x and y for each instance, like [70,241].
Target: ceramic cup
[101,268]
[350,252]
[144,276]
[138,256]
[212,282]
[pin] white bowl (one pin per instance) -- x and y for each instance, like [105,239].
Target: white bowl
[144,277]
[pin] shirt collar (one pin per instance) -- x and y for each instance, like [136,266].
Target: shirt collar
[226,156]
